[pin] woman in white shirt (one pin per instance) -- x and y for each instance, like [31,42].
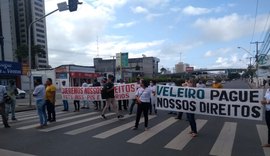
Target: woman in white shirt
[143,96]
[266,103]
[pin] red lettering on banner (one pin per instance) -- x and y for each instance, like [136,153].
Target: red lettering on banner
[73,90]
[124,88]
[92,90]
[121,96]
[79,97]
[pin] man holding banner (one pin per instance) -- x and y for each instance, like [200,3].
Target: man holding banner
[266,103]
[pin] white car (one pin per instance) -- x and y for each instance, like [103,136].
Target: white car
[21,94]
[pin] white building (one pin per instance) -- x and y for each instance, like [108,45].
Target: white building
[181,67]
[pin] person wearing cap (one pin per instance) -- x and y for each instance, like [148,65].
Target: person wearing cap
[110,100]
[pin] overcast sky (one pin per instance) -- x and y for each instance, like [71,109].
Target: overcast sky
[205,33]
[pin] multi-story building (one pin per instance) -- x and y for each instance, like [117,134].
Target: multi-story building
[7,33]
[181,67]
[27,11]
[145,66]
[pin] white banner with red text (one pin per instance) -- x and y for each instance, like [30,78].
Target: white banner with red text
[121,92]
[232,103]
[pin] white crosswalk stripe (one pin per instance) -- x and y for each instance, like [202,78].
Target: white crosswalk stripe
[4,152]
[119,129]
[181,140]
[262,131]
[64,119]
[141,138]
[91,127]
[73,123]
[224,144]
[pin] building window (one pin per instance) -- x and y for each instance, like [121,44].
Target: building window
[39,30]
[40,25]
[39,35]
[38,4]
[41,41]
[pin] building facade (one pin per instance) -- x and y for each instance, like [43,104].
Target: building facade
[181,67]
[145,66]
[7,33]
[27,11]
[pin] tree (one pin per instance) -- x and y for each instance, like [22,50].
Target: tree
[163,70]
[22,53]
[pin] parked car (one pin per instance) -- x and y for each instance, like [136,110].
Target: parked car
[209,82]
[223,82]
[21,94]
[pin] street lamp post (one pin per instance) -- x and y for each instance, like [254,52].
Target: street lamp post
[61,7]
[2,48]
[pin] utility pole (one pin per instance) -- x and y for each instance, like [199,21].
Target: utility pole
[257,60]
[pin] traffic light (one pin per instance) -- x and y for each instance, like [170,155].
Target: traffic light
[73,5]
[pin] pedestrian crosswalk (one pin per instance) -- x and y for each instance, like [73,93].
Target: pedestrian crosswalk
[85,122]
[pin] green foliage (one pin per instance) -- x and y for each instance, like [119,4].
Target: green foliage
[22,53]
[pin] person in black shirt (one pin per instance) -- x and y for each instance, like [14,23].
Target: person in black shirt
[97,103]
[109,90]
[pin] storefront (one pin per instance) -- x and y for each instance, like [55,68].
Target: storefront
[74,75]
[10,71]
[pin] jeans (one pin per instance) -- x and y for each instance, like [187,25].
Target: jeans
[267,119]
[65,103]
[192,122]
[85,104]
[125,104]
[131,106]
[11,108]
[51,110]
[142,108]
[3,114]
[41,111]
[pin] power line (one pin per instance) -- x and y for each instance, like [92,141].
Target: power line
[255,21]
[266,23]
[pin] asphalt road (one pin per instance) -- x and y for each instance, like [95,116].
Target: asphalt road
[86,133]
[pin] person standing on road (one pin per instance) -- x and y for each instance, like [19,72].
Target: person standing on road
[76,102]
[153,97]
[143,96]
[134,100]
[110,100]
[50,100]
[3,96]
[266,103]
[39,94]
[191,116]
[11,92]
[85,102]
[65,102]
[97,103]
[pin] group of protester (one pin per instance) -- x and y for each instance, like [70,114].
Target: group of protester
[144,99]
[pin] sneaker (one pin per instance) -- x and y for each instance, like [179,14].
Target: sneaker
[134,128]
[39,127]
[103,116]
[120,116]
[7,126]
[146,129]
[193,135]
[14,119]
